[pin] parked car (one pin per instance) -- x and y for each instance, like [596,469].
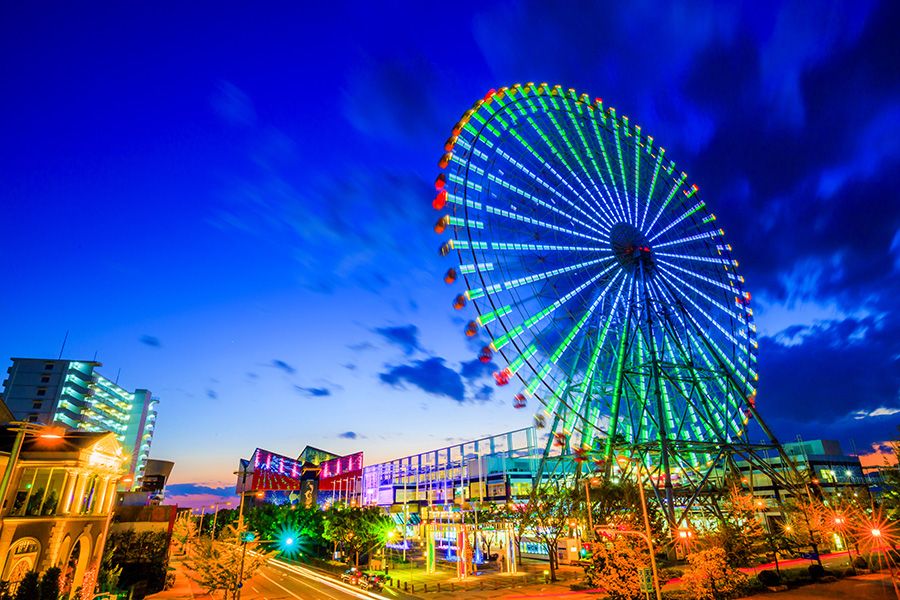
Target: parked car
[351,576]
[371,582]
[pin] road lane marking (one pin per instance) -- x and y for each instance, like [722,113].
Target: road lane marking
[344,588]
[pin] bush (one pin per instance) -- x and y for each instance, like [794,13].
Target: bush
[860,563]
[29,587]
[769,578]
[709,576]
[50,584]
[816,571]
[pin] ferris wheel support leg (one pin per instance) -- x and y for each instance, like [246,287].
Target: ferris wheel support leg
[617,396]
[662,434]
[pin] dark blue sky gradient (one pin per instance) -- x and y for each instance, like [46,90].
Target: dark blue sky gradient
[231,203]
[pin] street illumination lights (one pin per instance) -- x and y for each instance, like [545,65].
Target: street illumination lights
[624,461]
[216,515]
[22,428]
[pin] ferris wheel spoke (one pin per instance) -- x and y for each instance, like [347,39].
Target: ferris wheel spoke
[675,188]
[584,144]
[601,227]
[621,161]
[690,211]
[554,151]
[700,350]
[712,301]
[722,355]
[612,179]
[549,167]
[513,216]
[600,344]
[562,134]
[706,235]
[528,323]
[649,198]
[514,283]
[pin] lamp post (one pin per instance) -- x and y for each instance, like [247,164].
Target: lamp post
[243,473]
[624,461]
[839,523]
[217,505]
[876,533]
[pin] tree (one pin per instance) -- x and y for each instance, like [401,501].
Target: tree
[143,559]
[890,495]
[709,576]
[29,587]
[807,522]
[216,565]
[615,565]
[547,515]
[356,529]
[273,522]
[183,531]
[50,584]
[740,533]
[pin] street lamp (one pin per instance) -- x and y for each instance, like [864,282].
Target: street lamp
[216,515]
[624,461]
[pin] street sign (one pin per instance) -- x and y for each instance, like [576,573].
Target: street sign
[646,578]
[810,555]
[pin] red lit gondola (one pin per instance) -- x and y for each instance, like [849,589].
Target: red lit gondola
[519,401]
[471,328]
[450,276]
[485,355]
[440,200]
[502,377]
[440,182]
[460,301]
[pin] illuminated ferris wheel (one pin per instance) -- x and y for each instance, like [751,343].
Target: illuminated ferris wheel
[599,279]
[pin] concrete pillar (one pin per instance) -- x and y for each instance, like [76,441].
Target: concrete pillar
[101,490]
[65,501]
[6,537]
[78,494]
[110,497]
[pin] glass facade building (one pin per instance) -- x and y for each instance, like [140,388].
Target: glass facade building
[73,393]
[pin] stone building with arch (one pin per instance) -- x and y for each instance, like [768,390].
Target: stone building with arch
[60,493]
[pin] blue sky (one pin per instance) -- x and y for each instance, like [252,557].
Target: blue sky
[231,204]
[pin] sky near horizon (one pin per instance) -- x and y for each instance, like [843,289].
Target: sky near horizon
[230,204]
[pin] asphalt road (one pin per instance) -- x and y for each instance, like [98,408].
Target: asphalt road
[279,581]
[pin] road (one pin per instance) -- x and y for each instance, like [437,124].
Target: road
[281,581]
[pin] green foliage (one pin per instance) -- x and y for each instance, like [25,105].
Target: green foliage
[356,529]
[308,524]
[50,584]
[618,503]
[183,531]
[216,566]
[141,559]
[710,577]
[547,515]
[615,566]
[740,534]
[29,587]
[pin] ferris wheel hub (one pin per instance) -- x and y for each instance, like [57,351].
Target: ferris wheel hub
[631,248]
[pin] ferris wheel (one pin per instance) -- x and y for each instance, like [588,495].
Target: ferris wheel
[599,280]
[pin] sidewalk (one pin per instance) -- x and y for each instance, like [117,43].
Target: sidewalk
[183,589]
[530,573]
